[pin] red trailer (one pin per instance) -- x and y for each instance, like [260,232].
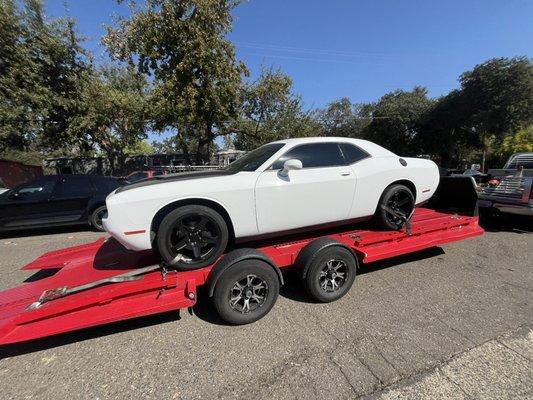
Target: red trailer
[102,282]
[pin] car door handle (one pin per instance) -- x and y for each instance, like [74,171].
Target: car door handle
[345,174]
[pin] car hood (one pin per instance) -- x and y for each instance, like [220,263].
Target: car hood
[184,176]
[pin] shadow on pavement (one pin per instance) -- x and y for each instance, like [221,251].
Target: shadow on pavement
[506,223]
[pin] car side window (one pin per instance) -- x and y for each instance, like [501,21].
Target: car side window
[313,155]
[352,153]
[37,189]
[74,186]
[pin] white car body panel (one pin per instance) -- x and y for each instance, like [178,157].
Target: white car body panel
[263,202]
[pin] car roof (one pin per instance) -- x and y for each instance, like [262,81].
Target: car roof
[370,147]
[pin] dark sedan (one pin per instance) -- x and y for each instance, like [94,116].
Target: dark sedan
[54,200]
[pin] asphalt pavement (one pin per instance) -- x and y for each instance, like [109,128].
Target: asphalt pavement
[451,322]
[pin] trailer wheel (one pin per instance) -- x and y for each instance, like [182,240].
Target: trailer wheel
[330,274]
[246,292]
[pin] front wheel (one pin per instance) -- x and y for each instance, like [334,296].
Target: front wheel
[192,237]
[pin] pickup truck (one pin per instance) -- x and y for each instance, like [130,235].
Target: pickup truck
[510,189]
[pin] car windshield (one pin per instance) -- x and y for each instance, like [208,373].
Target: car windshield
[255,158]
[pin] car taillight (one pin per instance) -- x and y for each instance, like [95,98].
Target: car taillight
[494,182]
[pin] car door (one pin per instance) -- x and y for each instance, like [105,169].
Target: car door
[71,197]
[321,192]
[27,205]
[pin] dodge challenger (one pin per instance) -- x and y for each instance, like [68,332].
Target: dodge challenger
[190,218]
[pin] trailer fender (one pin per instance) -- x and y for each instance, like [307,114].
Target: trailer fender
[233,257]
[309,252]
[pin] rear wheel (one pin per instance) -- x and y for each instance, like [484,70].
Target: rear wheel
[192,237]
[96,218]
[395,207]
[246,292]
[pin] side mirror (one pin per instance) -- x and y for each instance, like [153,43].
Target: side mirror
[290,165]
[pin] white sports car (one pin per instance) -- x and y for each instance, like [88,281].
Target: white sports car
[283,186]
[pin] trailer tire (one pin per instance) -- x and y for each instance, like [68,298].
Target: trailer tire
[330,274]
[246,291]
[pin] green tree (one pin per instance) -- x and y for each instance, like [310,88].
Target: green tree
[40,63]
[396,120]
[520,141]
[271,111]
[113,111]
[140,148]
[499,95]
[343,118]
[183,44]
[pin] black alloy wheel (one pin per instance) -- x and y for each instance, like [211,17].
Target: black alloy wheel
[330,274]
[192,237]
[246,291]
[399,207]
[395,207]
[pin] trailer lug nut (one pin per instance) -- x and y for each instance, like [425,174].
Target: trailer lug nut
[191,296]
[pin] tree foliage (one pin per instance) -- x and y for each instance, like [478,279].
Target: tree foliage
[41,62]
[343,118]
[396,119]
[183,45]
[271,111]
[113,111]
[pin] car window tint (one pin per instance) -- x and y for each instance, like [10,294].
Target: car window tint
[352,153]
[254,159]
[39,188]
[313,155]
[75,186]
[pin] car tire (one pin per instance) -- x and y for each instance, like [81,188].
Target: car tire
[400,199]
[191,237]
[96,218]
[330,274]
[253,282]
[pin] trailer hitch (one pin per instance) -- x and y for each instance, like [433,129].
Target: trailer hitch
[52,294]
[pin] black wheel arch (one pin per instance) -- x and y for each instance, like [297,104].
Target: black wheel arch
[407,183]
[234,257]
[313,249]
[158,217]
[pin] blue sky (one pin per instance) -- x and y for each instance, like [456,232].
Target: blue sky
[357,49]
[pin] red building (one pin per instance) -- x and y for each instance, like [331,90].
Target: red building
[14,173]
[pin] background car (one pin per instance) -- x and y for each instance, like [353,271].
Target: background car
[292,184]
[139,175]
[53,200]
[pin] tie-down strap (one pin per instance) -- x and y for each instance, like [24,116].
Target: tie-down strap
[52,294]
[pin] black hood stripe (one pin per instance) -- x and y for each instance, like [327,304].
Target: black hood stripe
[183,176]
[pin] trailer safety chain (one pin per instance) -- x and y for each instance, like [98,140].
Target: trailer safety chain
[52,294]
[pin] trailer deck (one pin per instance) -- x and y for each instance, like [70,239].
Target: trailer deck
[102,282]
